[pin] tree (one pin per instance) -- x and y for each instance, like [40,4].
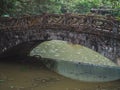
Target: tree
[23,7]
[6,6]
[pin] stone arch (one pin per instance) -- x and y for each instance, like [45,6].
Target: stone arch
[106,46]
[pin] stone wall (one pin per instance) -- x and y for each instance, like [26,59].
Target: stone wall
[20,42]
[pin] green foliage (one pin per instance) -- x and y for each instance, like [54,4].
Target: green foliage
[85,6]
[6,6]
[23,7]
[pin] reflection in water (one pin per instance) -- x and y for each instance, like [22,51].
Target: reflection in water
[62,50]
[30,74]
[27,76]
[72,61]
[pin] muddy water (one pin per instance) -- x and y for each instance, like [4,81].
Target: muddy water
[33,76]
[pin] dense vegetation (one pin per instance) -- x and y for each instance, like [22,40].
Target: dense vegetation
[23,7]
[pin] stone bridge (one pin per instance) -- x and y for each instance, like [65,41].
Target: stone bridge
[18,36]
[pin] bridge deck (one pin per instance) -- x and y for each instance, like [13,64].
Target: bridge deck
[99,25]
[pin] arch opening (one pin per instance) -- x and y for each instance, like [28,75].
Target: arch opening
[76,61]
[63,50]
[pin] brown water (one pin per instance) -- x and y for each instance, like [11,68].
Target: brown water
[34,76]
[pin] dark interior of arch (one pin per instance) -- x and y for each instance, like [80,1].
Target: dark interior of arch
[20,50]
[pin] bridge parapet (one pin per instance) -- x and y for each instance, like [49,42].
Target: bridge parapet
[99,33]
[68,21]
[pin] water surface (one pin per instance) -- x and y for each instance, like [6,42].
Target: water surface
[62,50]
[76,61]
[31,74]
[34,76]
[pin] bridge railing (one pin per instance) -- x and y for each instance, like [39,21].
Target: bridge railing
[68,21]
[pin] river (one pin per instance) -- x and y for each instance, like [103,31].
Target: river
[31,74]
[22,75]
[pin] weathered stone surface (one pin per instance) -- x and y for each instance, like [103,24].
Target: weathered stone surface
[20,42]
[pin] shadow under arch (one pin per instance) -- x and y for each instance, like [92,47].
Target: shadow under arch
[92,72]
[21,42]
